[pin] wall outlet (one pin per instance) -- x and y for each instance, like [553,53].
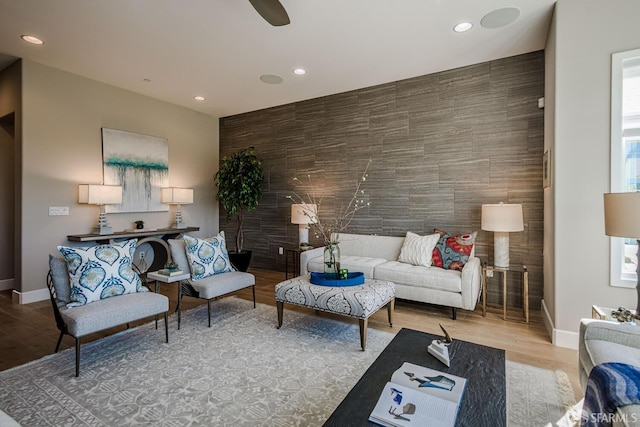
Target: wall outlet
[489,273]
[58,210]
[280,250]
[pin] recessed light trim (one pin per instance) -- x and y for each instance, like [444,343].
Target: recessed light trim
[199,98]
[462,27]
[32,39]
[299,71]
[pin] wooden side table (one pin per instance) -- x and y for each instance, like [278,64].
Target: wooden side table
[525,288]
[295,262]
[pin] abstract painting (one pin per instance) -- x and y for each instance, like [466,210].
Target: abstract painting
[140,164]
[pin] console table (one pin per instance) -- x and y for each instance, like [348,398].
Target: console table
[151,244]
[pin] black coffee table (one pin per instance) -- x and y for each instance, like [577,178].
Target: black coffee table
[484,399]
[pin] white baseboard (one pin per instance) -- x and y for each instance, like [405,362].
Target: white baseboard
[30,296]
[559,337]
[7,284]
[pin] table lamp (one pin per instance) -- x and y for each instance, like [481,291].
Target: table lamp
[621,220]
[303,215]
[502,219]
[95,194]
[177,196]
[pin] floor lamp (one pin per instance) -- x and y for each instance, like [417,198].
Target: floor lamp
[621,220]
[303,215]
[502,219]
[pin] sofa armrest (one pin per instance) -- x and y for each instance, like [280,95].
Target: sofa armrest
[471,279]
[305,256]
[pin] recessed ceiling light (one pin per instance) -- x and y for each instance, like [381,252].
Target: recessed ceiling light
[199,98]
[31,39]
[299,71]
[462,27]
[272,79]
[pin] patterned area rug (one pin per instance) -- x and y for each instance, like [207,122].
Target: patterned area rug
[241,371]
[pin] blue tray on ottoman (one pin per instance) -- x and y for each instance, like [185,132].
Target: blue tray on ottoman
[353,279]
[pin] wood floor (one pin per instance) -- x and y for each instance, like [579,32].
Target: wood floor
[28,332]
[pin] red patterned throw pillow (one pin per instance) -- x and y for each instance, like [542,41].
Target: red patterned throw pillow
[452,251]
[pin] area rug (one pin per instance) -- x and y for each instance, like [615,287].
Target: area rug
[241,371]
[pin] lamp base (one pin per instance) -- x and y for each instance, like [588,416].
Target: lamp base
[501,249]
[102,230]
[303,235]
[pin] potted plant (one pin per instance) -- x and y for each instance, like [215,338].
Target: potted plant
[239,182]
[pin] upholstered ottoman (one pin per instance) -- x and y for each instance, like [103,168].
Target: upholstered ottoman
[354,301]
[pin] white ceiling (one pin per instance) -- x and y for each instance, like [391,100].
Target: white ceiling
[220,48]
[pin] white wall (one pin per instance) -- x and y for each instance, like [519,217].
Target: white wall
[63,114]
[587,32]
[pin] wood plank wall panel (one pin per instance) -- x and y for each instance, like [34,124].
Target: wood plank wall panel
[441,144]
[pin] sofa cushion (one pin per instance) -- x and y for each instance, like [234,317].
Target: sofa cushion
[600,351]
[418,250]
[419,276]
[101,271]
[207,256]
[452,251]
[352,263]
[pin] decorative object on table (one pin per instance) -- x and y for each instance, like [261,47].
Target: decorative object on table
[139,225]
[239,182]
[100,195]
[329,230]
[171,269]
[502,219]
[623,315]
[298,216]
[353,279]
[178,196]
[344,273]
[440,348]
[621,220]
[138,163]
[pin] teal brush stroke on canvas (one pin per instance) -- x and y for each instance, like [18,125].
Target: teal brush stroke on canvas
[116,162]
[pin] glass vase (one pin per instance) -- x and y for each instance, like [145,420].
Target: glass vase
[332,261]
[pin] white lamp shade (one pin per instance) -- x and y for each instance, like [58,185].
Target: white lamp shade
[622,215]
[174,195]
[298,215]
[502,217]
[95,194]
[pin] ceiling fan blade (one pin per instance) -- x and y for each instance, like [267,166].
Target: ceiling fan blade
[272,11]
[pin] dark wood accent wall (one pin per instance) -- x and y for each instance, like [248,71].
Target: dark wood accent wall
[441,145]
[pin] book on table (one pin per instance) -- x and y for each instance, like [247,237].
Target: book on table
[419,396]
[170,273]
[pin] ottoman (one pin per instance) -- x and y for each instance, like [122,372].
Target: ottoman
[359,301]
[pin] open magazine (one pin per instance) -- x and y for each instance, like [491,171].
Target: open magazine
[419,396]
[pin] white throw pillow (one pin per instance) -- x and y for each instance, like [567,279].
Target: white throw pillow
[101,271]
[207,256]
[418,250]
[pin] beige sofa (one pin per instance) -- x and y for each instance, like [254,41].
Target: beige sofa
[376,257]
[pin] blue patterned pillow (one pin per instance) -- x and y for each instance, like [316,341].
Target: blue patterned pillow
[207,256]
[101,271]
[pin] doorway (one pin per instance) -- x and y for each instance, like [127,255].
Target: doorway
[8,205]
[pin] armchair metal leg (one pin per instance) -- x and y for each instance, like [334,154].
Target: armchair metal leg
[253,289]
[77,357]
[166,326]
[209,311]
[59,341]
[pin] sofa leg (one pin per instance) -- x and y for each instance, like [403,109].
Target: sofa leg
[209,311]
[363,323]
[453,313]
[77,357]
[59,341]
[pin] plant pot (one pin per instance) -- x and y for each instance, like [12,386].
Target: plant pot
[240,260]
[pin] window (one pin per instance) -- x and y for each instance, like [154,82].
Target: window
[625,155]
